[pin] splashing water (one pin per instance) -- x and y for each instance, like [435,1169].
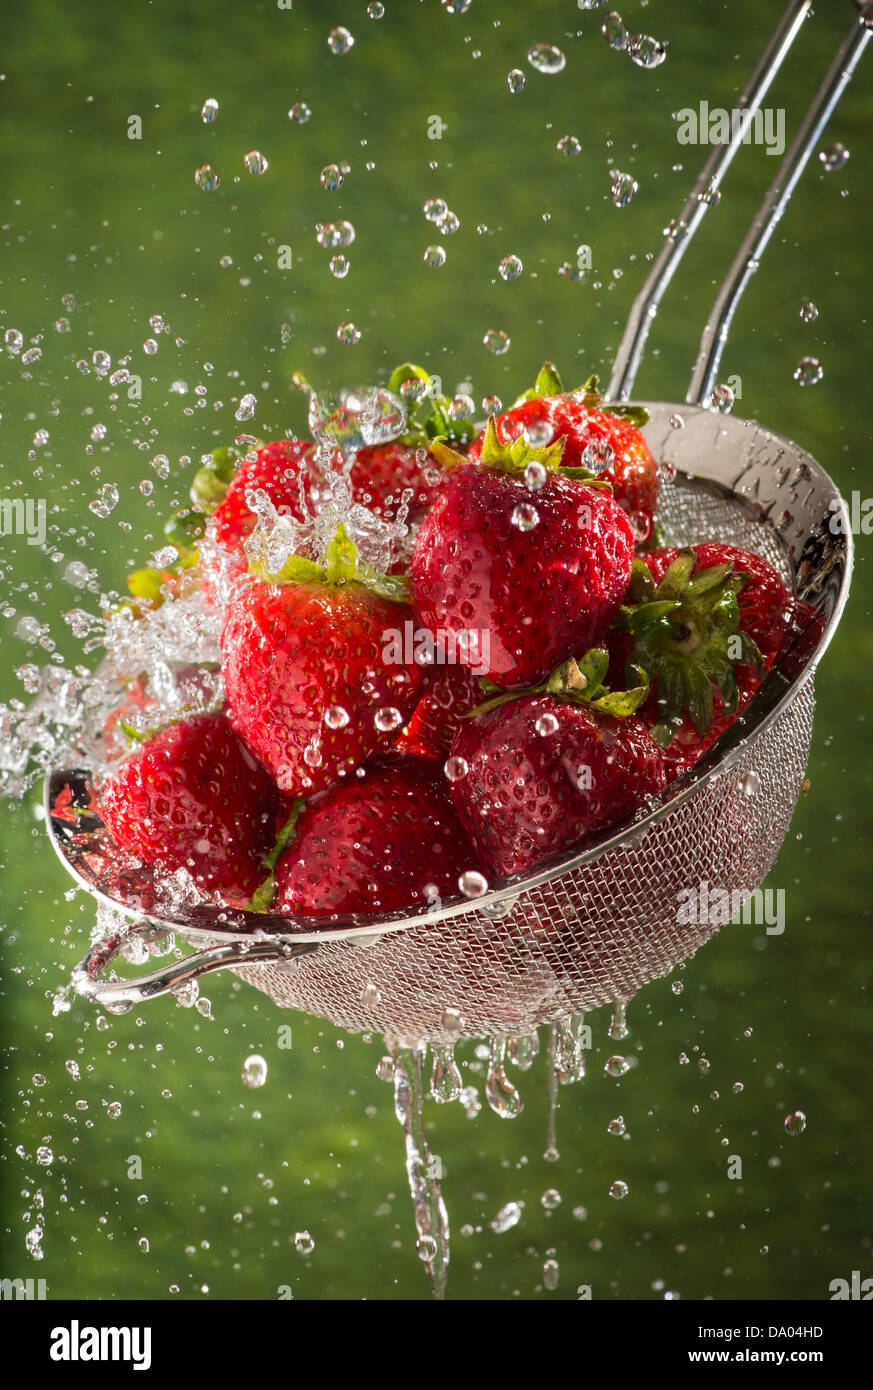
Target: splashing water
[431,1218]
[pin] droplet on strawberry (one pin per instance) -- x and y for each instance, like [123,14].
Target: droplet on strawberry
[192,797]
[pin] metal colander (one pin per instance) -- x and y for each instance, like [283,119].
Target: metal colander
[595,925]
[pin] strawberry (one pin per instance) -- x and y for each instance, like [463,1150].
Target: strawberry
[448,694]
[691,619]
[193,797]
[604,438]
[544,771]
[766,607]
[309,686]
[381,474]
[514,549]
[379,842]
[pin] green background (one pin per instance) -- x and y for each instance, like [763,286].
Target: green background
[231,1174]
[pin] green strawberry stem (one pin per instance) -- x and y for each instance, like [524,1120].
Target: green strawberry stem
[263,895]
[548,383]
[339,567]
[687,635]
[580,682]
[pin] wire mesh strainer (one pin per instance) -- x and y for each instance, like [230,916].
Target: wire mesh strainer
[596,925]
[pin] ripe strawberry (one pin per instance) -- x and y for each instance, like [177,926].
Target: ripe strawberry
[381,842]
[308,685]
[193,797]
[512,548]
[381,474]
[448,693]
[547,770]
[691,619]
[606,439]
[766,607]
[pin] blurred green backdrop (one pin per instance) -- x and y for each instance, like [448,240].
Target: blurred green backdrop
[230,1175]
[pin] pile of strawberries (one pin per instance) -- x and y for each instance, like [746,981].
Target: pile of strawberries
[572,667]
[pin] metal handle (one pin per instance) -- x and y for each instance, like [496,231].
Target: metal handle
[119,996]
[647,303]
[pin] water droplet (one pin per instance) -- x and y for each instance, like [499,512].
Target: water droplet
[510,267]
[624,187]
[507,1217]
[546,725]
[339,266]
[456,769]
[254,1072]
[809,371]
[246,408]
[618,1190]
[304,1243]
[676,229]
[339,40]
[525,517]
[551,1199]
[299,113]
[515,81]
[795,1123]
[434,209]
[645,51]
[614,32]
[551,1272]
[206,178]
[522,1051]
[445,1082]
[44,1155]
[113,1110]
[703,1066]
[834,157]
[750,783]
[677,987]
[435,255]
[737,1087]
[502,1096]
[376,9]
[457,6]
[569,145]
[32,355]
[14,341]
[149,347]
[336,717]
[710,196]
[385,1068]
[722,399]
[371,995]
[496,341]
[209,110]
[598,455]
[39,1079]
[449,223]
[255,162]
[808,311]
[331,177]
[617,1066]
[452,1020]
[105,501]
[348,334]
[143,1244]
[546,58]
[387,719]
[473,884]
[618,1028]
[616,1127]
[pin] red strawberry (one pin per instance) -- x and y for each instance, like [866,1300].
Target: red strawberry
[544,774]
[376,843]
[381,473]
[193,797]
[541,571]
[766,607]
[309,686]
[685,622]
[604,439]
[448,694]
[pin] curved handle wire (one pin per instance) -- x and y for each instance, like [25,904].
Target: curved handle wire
[118,996]
[647,302]
[746,261]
